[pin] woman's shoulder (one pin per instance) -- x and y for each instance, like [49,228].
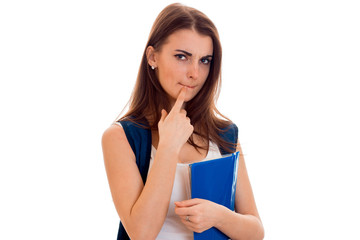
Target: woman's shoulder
[227,125]
[233,127]
[115,142]
[127,131]
[114,134]
[229,132]
[133,121]
[120,128]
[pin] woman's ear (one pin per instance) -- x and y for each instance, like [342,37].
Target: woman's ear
[150,56]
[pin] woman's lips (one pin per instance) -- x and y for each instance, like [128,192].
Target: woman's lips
[191,87]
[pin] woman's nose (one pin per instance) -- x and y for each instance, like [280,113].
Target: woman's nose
[193,71]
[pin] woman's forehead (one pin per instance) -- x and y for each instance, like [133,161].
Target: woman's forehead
[190,41]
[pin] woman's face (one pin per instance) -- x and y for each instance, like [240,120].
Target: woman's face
[184,60]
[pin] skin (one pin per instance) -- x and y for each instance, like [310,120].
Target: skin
[176,69]
[143,208]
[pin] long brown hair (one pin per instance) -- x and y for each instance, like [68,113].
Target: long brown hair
[148,97]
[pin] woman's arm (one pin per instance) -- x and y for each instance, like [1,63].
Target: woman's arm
[142,209]
[244,223]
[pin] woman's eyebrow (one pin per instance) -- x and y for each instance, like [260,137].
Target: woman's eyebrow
[207,56]
[189,54]
[183,51]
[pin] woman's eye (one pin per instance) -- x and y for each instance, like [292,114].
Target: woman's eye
[180,56]
[205,61]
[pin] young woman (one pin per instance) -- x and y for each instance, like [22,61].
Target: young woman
[172,121]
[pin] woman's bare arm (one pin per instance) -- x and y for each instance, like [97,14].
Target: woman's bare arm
[245,222]
[142,209]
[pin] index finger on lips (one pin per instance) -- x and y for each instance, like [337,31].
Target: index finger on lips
[180,100]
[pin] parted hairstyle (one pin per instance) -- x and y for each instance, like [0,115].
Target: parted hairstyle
[149,98]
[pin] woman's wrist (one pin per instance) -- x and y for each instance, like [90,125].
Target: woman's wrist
[169,148]
[221,215]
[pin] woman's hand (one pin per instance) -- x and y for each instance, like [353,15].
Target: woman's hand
[175,128]
[197,214]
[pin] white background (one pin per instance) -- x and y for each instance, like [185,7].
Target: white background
[290,83]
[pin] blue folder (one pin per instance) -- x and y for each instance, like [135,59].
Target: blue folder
[215,180]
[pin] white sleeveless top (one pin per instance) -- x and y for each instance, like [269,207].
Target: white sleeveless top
[173,228]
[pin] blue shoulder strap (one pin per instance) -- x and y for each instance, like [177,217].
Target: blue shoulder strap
[230,135]
[139,139]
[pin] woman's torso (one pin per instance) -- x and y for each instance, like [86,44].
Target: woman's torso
[173,228]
